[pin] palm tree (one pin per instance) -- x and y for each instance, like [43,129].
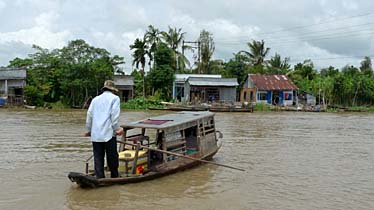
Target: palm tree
[257,52]
[276,66]
[174,38]
[141,50]
[152,38]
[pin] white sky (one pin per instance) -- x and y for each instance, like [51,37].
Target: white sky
[330,32]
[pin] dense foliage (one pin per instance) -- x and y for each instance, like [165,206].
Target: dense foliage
[161,77]
[71,74]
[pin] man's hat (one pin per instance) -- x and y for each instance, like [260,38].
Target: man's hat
[109,85]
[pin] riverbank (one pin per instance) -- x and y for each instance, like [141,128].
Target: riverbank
[140,104]
[217,109]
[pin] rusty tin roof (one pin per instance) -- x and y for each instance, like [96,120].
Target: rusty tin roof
[272,82]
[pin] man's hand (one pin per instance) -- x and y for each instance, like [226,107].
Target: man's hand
[87,134]
[119,132]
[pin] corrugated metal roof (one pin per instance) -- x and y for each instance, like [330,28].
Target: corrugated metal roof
[219,82]
[123,80]
[12,73]
[184,77]
[272,82]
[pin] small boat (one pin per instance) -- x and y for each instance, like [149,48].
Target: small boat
[230,109]
[29,107]
[200,108]
[159,146]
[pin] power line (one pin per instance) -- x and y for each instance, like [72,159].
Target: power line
[313,34]
[308,38]
[341,29]
[322,38]
[197,45]
[321,23]
[330,58]
[305,26]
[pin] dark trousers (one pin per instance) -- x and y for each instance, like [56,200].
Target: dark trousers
[99,150]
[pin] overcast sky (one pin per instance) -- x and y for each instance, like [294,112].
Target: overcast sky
[330,32]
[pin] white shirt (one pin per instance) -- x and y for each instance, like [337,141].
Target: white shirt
[102,117]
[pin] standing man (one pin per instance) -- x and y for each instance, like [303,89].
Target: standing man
[102,125]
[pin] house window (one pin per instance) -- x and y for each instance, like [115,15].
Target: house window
[251,96]
[262,96]
[245,96]
[288,96]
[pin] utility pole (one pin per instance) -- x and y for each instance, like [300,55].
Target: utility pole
[195,45]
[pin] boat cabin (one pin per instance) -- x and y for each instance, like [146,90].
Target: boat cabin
[184,133]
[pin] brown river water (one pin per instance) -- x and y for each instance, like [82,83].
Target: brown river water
[292,161]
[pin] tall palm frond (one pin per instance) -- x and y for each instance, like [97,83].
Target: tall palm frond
[141,50]
[174,39]
[257,52]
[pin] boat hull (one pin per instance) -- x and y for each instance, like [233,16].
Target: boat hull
[89,181]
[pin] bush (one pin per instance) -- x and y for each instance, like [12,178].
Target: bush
[142,103]
[58,105]
[262,107]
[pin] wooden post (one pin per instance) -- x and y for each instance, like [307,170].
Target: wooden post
[134,163]
[86,167]
[123,138]
[127,167]
[214,128]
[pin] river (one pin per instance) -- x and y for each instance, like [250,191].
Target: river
[292,161]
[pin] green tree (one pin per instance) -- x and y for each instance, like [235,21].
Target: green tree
[217,67]
[366,66]
[174,38]
[141,50]
[84,69]
[343,90]
[305,70]
[206,52]
[71,74]
[43,77]
[161,77]
[152,37]
[138,82]
[278,66]
[21,63]
[329,72]
[237,67]
[257,54]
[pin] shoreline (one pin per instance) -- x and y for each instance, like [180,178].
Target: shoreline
[272,109]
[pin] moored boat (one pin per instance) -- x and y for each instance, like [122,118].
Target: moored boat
[159,146]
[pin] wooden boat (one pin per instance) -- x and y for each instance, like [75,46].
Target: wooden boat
[212,109]
[230,109]
[159,146]
[29,107]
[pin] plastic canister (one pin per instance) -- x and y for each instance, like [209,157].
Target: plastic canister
[2,101]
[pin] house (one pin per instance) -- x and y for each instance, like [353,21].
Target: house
[307,99]
[201,90]
[12,84]
[179,84]
[125,86]
[270,89]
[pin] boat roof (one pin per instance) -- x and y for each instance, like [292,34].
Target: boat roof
[164,122]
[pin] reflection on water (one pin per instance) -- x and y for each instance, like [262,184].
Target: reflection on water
[155,194]
[292,161]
